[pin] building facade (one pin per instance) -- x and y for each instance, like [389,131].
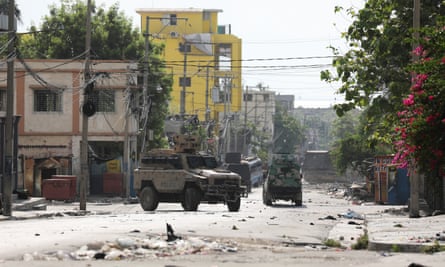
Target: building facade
[258,111]
[204,58]
[48,99]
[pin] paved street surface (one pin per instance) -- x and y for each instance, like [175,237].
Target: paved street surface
[258,235]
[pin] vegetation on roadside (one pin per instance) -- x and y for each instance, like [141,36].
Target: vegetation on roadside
[436,247]
[332,243]
[362,242]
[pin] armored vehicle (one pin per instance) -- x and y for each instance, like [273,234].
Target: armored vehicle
[283,180]
[184,176]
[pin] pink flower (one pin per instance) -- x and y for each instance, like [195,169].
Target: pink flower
[409,101]
[430,119]
[431,98]
[442,61]
[418,51]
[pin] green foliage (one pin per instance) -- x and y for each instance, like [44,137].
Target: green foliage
[350,149]
[373,72]
[62,34]
[332,243]
[395,248]
[436,247]
[362,242]
[288,132]
[260,146]
[420,129]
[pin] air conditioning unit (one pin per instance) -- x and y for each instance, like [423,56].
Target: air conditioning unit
[174,34]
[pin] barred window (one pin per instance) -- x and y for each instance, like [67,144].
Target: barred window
[104,100]
[2,99]
[47,101]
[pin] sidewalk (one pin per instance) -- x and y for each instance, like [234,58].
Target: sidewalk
[389,232]
[392,231]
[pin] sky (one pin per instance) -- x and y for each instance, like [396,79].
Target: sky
[285,42]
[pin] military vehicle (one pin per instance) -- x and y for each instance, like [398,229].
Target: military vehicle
[283,180]
[182,175]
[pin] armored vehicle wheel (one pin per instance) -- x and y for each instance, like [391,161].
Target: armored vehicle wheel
[192,197]
[298,199]
[234,205]
[149,198]
[267,200]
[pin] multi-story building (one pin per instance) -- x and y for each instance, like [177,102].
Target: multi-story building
[204,57]
[48,99]
[258,111]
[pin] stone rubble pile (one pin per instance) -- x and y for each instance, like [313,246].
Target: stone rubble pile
[129,248]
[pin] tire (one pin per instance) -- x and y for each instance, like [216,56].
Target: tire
[298,199]
[149,198]
[266,198]
[192,197]
[234,206]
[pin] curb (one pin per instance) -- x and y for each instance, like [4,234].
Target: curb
[397,247]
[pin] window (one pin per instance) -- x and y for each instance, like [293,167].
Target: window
[225,90]
[104,100]
[185,48]
[266,98]
[188,81]
[2,99]
[248,97]
[47,100]
[206,15]
[173,19]
[225,57]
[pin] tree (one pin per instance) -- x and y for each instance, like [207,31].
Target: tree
[62,36]
[288,133]
[372,73]
[352,147]
[420,131]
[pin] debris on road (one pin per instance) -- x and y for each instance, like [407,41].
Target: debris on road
[134,248]
[350,214]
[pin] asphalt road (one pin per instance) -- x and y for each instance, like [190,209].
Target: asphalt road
[257,235]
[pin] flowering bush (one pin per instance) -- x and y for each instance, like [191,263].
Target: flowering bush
[420,133]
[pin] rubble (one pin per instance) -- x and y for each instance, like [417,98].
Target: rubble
[130,248]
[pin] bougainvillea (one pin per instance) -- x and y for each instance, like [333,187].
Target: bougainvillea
[420,132]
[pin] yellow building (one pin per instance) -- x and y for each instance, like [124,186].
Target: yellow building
[204,57]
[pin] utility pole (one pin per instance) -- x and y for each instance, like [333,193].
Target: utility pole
[207,113]
[184,84]
[414,176]
[145,107]
[9,126]
[245,123]
[84,176]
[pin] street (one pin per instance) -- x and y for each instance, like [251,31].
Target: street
[257,235]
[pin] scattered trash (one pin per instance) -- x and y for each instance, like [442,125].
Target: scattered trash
[329,217]
[350,214]
[133,248]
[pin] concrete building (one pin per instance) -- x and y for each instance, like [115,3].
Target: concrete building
[48,98]
[204,57]
[258,111]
